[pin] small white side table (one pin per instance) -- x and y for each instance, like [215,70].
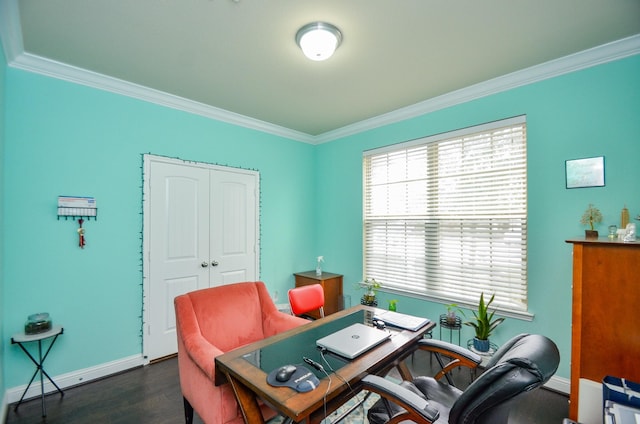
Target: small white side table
[21,339]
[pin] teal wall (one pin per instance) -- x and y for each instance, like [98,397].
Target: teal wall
[3,67]
[594,112]
[68,139]
[62,138]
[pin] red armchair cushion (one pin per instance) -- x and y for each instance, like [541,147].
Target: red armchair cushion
[213,321]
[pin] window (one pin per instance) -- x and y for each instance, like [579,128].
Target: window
[445,217]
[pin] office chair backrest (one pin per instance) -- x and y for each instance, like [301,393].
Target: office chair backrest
[308,298]
[522,364]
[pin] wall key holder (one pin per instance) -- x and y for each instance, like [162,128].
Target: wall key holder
[79,208]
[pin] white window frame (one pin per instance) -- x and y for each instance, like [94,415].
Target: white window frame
[445,216]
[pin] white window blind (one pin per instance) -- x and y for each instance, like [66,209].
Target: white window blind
[445,217]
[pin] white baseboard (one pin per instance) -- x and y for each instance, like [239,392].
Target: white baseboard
[559,384]
[74,378]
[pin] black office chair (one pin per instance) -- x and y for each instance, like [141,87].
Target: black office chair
[521,365]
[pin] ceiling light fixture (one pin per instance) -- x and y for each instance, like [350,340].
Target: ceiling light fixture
[318,40]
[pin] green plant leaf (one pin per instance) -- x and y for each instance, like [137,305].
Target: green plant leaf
[484,323]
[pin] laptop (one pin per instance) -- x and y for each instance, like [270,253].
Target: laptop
[353,341]
[407,322]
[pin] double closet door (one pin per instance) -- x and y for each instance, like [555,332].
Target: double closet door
[201,230]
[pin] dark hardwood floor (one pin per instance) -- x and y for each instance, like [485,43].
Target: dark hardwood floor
[152,395]
[148,394]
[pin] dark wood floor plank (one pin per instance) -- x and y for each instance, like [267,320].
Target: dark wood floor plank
[152,395]
[148,394]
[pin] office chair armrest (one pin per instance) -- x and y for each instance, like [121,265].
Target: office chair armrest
[417,408]
[473,359]
[460,356]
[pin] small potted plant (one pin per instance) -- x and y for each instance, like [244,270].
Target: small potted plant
[371,286]
[484,324]
[393,305]
[591,216]
[451,313]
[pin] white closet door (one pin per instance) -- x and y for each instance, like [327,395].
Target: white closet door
[234,219]
[200,231]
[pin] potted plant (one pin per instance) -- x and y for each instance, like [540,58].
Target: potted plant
[591,216]
[393,305]
[484,324]
[371,286]
[451,313]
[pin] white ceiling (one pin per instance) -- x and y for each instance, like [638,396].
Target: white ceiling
[240,56]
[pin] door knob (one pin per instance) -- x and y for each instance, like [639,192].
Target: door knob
[204,264]
[214,263]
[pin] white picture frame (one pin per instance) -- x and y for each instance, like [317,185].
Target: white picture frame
[585,172]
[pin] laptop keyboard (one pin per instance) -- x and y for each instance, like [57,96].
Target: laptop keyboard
[396,319]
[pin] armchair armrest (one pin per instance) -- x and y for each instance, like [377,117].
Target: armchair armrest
[277,322]
[202,353]
[274,321]
[417,408]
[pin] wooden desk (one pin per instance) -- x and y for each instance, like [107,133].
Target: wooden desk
[250,382]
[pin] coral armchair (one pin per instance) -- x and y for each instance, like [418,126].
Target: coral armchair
[210,322]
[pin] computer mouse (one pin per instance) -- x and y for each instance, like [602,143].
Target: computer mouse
[285,372]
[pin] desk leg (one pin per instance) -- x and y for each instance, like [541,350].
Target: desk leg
[247,401]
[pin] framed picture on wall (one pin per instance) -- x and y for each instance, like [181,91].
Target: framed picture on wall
[586,172]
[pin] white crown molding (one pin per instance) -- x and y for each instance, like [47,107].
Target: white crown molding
[588,58]
[11,34]
[43,66]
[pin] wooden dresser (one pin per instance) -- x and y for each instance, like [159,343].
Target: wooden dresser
[605,332]
[332,285]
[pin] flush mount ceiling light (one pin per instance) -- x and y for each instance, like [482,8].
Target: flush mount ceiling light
[318,40]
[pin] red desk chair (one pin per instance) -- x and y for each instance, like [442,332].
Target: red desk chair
[305,299]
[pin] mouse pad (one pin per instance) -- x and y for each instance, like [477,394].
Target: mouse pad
[302,380]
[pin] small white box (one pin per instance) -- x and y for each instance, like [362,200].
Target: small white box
[76,202]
